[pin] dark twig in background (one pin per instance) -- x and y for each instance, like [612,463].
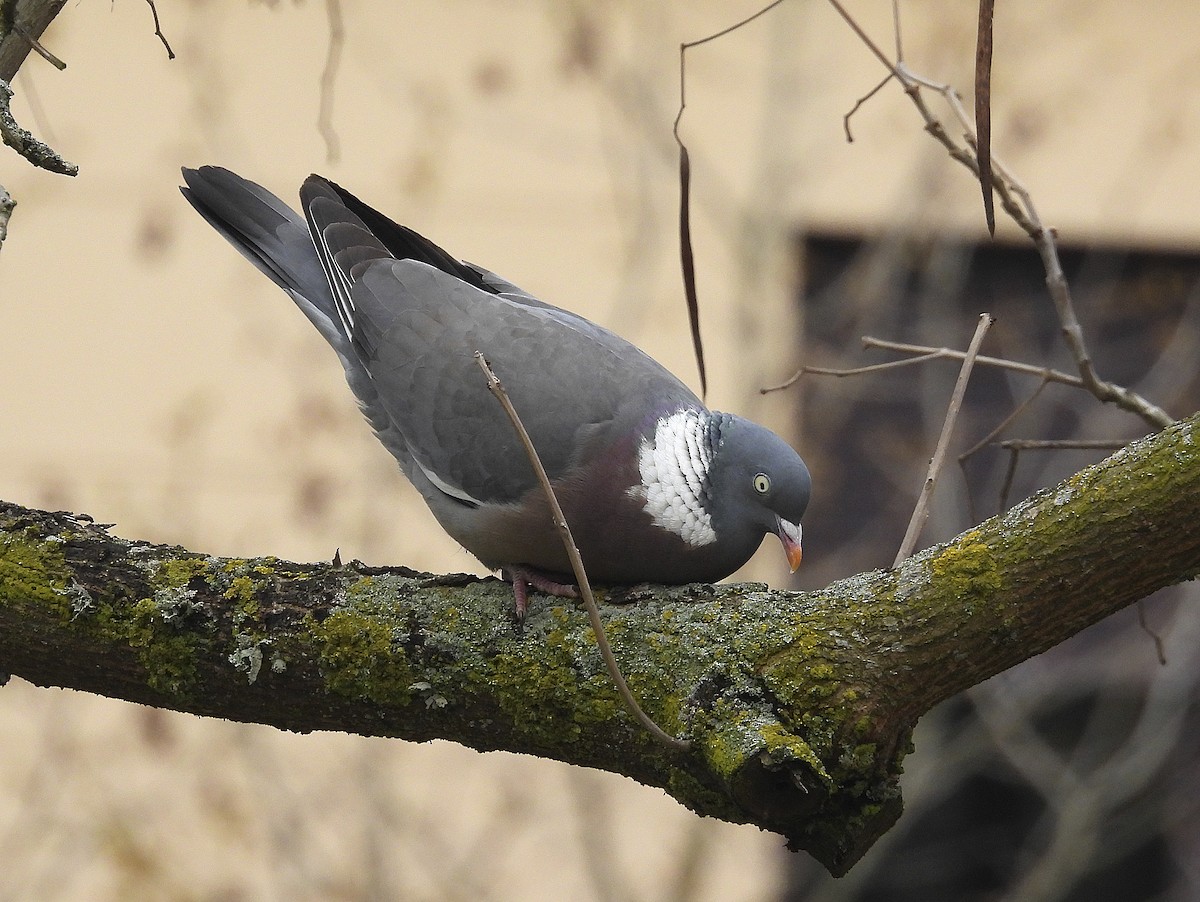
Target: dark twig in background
[988,439]
[158,32]
[1018,203]
[333,61]
[858,105]
[983,109]
[924,354]
[687,257]
[1034,444]
[1159,650]
[1014,447]
[585,588]
[921,511]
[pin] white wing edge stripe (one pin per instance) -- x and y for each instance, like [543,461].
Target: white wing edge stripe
[442,486]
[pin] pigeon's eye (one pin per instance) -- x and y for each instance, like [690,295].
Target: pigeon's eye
[762,483]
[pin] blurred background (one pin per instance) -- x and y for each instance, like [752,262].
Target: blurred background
[151,378]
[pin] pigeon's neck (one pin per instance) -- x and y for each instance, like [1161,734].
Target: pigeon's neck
[674,461]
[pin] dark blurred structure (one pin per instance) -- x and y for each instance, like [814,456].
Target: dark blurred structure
[1074,775]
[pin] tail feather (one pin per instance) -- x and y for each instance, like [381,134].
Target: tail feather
[273,237]
[276,239]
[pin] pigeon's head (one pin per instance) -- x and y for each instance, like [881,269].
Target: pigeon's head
[758,484]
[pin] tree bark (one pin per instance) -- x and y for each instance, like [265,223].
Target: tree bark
[799,706]
[34,17]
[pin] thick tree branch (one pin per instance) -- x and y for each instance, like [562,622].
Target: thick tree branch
[799,706]
[21,24]
[21,20]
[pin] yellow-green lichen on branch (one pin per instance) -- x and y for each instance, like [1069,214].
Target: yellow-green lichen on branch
[361,656]
[34,571]
[967,571]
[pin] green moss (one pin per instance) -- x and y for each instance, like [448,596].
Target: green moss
[551,697]
[33,571]
[968,569]
[783,746]
[699,797]
[168,654]
[244,591]
[360,657]
[180,571]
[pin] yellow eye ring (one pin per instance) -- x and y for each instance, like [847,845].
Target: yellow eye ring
[762,483]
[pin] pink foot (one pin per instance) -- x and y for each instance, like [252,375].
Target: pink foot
[524,578]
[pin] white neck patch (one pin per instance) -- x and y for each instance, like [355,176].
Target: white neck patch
[674,466]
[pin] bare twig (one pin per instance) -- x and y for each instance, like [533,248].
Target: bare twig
[896,29]
[6,208]
[921,511]
[1005,423]
[1050,375]
[858,104]
[1017,202]
[987,439]
[35,18]
[333,60]
[1015,446]
[20,140]
[39,48]
[1038,444]
[853,371]
[983,109]
[1155,637]
[687,259]
[585,589]
[925,354]
[1010,471]
[158,32]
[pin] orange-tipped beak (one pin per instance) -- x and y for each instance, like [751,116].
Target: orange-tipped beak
[789,534]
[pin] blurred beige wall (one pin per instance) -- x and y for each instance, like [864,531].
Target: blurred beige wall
[150,377]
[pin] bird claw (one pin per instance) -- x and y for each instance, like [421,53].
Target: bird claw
[525,578]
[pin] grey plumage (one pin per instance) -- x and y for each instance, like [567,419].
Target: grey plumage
[405,319]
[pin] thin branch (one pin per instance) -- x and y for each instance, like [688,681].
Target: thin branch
[853,371]
[866,39]
[7,204]
[24,143]
[858,104]
[1005,423]
[1010,472]
[158,32]
[1159,650]
[987,439]
[925,354]
[36,16]
[1050,375]
[1015,446]
[1018,204]
[585,589]
[896,29]
[1036,444]
[983,109]
[687,257]
[38,48]
[921,511]
[333,61]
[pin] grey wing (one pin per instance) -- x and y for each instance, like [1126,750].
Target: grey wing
[569,379]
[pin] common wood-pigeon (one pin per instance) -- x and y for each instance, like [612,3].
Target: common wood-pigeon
[655,487]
